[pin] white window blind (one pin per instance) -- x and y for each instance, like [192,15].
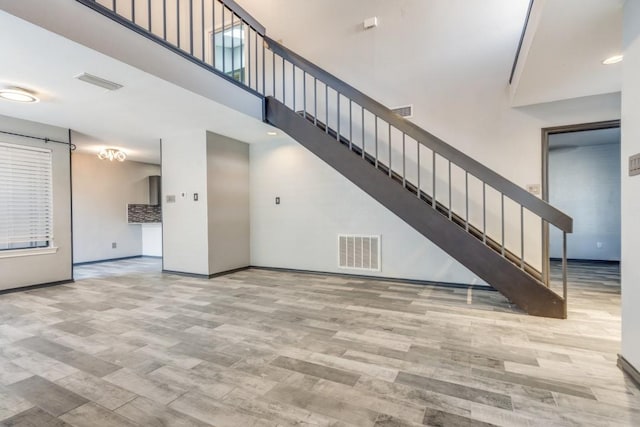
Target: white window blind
[25,197]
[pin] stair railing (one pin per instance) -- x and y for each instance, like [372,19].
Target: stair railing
[222,37]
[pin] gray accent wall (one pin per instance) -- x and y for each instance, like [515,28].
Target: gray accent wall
[27,270]
[228,203]
[584,182]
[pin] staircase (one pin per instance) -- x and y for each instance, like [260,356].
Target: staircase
[465,208]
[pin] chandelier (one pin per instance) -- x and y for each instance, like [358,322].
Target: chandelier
[112,154]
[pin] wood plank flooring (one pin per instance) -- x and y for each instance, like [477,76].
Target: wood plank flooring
[126,345]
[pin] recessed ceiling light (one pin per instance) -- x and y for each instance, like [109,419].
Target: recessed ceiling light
[272,133]
[17,94]
[612,60]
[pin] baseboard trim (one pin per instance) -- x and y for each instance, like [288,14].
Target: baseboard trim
[205,276]
[99,261]
[34,287]
[386,279]
[629,370]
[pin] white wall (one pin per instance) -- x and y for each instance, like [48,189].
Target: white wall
[631,186]
[584,182]
[451,60]
[317,204]
[29,270]
[101,192]
[228,203]
[185,229]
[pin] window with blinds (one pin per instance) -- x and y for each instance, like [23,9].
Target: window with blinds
[25,197]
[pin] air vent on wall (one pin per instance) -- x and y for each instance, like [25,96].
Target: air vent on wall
[98,81]
[405,111]
[359,252]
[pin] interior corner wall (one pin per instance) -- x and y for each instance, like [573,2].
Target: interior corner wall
[101,192]
[16,272]
[185,222]
[228,203]
[316,205]
[631,186]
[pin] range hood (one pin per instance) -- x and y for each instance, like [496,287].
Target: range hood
[155,190]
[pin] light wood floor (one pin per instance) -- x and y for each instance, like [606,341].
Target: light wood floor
[126,345]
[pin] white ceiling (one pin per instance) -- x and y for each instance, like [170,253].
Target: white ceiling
[133,118]
[565,44]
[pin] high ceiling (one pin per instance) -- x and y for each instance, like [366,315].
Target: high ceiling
[562,54]
[133,118]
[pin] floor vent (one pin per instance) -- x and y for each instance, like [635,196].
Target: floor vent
[406,111]
[359,252]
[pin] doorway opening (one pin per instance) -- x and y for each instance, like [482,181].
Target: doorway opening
[581,173]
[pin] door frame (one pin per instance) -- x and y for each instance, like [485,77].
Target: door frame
[546,133]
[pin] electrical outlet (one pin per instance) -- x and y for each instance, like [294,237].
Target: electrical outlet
[114,245]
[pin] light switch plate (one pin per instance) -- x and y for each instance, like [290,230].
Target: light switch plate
[634,165]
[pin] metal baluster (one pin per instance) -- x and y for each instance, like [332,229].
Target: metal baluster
[315,101]
[178,21]
[264,69]
[350,125]
[484,212]
[363,134]
[255,40]
[224,49]
[164,19]
[249,67]
[418,189]
[376,138]
[191,27]
[233,47]
[284,75]
[304,93]
[294,87]
[326,108]
[338,116]
[273,67]
[522,237]
[564,270]
[389,150]
[113,5]
[502,216]
[133,11]
[202,28]
[149,13]
[213,33]
[450,201]
[433,178]
[404,160]
[466,200]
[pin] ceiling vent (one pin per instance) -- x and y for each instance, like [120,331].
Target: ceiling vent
[405,111]
[359,252]
[97,81]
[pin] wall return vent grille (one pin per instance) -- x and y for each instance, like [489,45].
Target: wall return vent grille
[359,252]
[404,111]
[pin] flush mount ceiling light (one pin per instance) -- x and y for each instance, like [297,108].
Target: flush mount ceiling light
[17,94]
[613,60]
[112,154]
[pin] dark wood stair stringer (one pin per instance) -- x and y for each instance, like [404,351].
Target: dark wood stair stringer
[522,289]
